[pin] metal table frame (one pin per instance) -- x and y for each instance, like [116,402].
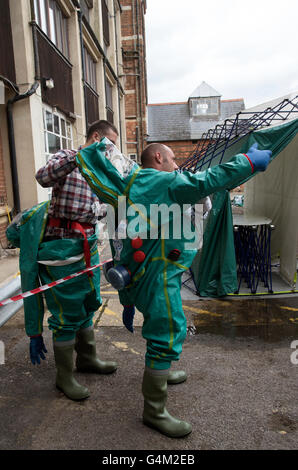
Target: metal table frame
[253,252]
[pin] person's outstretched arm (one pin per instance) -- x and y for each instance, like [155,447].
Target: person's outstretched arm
[189,188]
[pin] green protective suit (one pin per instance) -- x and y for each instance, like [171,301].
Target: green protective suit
[156,281]
[72,303]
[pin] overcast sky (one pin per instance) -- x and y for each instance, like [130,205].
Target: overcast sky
[243,49]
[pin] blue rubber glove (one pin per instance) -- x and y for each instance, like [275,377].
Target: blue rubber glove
[127,316]
[259,158]
[37,349]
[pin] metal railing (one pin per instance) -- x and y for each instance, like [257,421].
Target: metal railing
[217,140]
[9,290]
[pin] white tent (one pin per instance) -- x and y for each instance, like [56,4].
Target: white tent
[274,194]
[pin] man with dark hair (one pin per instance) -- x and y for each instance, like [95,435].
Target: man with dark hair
[103,129]
[68,237]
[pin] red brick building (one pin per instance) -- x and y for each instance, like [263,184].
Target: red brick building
[182,125]
[135,78]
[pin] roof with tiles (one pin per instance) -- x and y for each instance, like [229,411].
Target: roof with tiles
[173,121]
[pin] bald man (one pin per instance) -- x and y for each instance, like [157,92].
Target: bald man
[156,263]
[160,157]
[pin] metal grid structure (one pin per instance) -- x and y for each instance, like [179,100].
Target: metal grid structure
[253,254]
[216,141]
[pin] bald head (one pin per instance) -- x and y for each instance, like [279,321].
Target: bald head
[158,156]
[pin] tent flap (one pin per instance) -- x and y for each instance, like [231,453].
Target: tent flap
[214,267]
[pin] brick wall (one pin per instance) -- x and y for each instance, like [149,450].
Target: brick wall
[134,69]
[182,149]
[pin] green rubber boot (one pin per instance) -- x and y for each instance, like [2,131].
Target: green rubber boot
[65,380]
[87,360]
[155,415]
[177,377]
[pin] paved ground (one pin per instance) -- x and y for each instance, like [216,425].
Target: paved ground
[241,391]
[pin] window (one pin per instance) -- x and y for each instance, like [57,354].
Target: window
[109,102]
[204,106]
[57,132]
[105,22]
[52,21]
[90,70]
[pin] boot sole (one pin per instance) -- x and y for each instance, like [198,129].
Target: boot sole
[92,371]
[74,399]
[150,425]
[176,382]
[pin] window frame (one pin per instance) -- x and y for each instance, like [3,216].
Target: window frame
[205,103]
[109,100]
[54,25]
[66,136]
[105,22]
[90,69]
[68,127]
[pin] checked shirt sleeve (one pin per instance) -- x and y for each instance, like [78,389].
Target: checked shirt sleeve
[57,168]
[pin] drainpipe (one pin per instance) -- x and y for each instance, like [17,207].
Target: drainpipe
[135,21]
[139,78]
[137,142]
[117,66]
[35,51]
[34,40]
[10,126]
[12,147]
[83,65]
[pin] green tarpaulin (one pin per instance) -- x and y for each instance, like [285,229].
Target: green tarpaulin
[214,268]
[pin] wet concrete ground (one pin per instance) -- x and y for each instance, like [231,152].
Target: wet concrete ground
[241,391]
[268,319]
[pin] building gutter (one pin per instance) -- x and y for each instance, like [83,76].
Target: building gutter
[117,65]
[9,83]
[137,75]
[80,20]
[139,78]
[12,147]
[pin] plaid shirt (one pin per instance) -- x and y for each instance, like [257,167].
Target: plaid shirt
[72,198]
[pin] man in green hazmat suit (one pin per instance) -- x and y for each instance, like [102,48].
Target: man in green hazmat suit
[58,238]
[151,257]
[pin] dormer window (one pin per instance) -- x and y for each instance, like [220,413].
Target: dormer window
[204,106]
[204,101]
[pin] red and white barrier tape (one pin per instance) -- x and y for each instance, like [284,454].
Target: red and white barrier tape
[48,286]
